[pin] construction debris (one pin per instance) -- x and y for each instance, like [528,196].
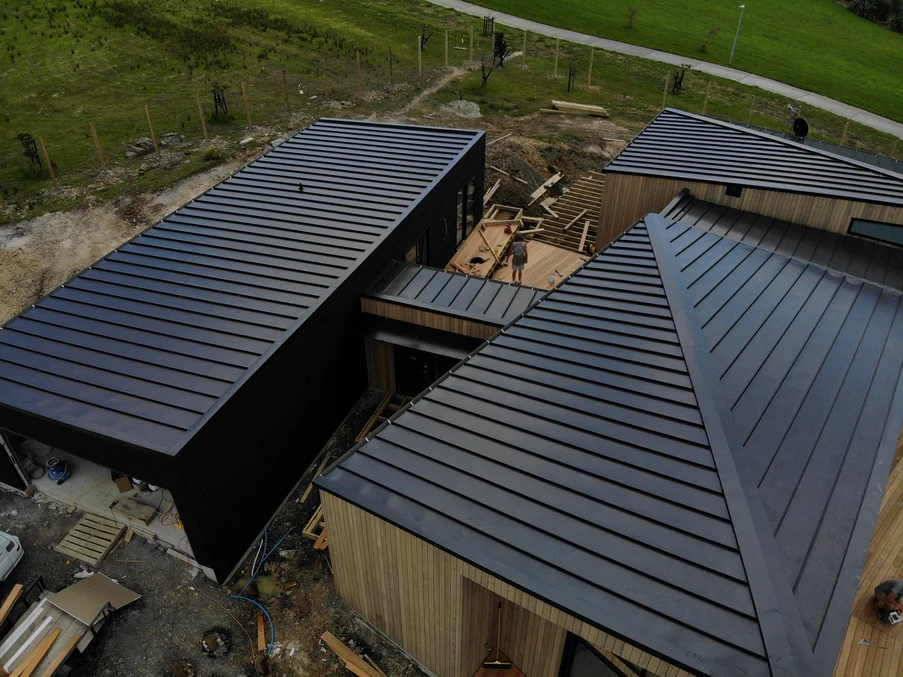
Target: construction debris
[575,219]
[567,108]
[499,139]
[539,192]
[547,205]
[359,666]
[315,525]
[502,171]
[492,191]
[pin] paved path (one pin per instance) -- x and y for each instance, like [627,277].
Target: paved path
[806,98]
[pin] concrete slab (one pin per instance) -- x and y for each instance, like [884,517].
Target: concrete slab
[92,490]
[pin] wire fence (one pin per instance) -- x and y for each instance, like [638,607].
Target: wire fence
[208,120]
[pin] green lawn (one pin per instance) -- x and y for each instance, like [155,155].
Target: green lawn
[67,63]
[813,44]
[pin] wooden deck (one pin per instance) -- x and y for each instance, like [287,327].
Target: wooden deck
[882,654]
[547,267]
[513,671]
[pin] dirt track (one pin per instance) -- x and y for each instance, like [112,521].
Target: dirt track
[39,254]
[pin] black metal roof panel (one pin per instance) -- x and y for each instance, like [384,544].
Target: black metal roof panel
[854,257]
[808,349]
[146,343]
[881,161]
[682,145]
[606,452]
[464,296]
[569,457]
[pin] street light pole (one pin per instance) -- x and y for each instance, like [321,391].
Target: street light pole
[737,35]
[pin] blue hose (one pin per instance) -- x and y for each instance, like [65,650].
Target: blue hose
[265,613]
[265,557]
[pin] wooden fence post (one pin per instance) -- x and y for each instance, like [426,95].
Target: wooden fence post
[589,76]
[846,129]
[201,115]
[390,66]
[103,165]
[47,160]
[325,82]
[446,48]
[524,61]
[627,79]
[749,114]
[288,102]
[360,80]
[705,103]
[893,151]
[557,48]
[419,57]
[471,42]
[150,123]
[244,95]
[665,90]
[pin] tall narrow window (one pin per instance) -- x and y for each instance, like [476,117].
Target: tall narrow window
[460,216]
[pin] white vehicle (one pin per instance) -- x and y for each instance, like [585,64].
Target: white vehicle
[10,553]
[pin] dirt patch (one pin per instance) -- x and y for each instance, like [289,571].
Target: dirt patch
[39,254]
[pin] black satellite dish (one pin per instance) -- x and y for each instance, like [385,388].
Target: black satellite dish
[800,128]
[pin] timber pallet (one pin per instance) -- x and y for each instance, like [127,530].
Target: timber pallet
[91,539]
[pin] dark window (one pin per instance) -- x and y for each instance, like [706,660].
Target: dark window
[10,546]
[466,210]
[418,253]
[581,660]
[734,190]
[875,230]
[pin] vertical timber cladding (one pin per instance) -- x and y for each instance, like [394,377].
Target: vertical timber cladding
[434,605]
[432,320]
[629,197]
[380,364]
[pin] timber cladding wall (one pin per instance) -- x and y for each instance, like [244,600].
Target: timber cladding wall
[629,197]
[425,318]
[442,611]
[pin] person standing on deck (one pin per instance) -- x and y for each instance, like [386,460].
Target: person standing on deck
[518,253]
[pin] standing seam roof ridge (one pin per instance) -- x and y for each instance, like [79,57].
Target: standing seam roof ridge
[412,406]
[779,620]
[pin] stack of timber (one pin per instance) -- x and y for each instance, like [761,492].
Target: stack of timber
[568,108]
[360,666]
[577,206]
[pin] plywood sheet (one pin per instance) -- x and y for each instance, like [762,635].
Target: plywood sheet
[85,599]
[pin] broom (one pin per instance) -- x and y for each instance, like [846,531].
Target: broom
[498,664]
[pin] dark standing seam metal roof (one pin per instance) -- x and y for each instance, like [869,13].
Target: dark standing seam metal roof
[456,294]
[144,345]
[854,257]
[809,362]
[594,453]
[881,161]
[691,147]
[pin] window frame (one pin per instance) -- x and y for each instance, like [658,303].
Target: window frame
[854,220]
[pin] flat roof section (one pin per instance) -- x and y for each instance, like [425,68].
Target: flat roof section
[143,346]
[442,291]
[682,145]
[685,445]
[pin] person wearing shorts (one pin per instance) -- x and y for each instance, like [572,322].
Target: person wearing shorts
[518,255]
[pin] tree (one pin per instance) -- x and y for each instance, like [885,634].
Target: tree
[704,47]
[631,15]
[500,50]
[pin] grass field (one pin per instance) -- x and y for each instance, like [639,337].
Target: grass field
[813,44]
[67,63]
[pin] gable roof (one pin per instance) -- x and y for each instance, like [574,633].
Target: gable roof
[143,346]
[682,145]
[604,455]
[465,296]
